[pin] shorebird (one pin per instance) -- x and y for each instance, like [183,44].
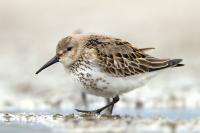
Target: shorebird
[106,66]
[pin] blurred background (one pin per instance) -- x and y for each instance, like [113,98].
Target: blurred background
[30,30]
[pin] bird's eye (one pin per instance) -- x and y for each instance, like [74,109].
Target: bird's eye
[69,48]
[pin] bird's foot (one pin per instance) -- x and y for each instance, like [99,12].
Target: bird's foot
[97,111]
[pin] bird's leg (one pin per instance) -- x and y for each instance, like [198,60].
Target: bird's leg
[109,109]
[84,98]
[98,111]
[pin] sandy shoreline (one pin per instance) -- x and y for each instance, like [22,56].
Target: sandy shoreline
[82,123]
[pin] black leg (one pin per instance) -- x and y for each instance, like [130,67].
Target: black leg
[109,109]
[84,98]
[98,111]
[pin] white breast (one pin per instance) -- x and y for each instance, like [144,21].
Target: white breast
[109,86]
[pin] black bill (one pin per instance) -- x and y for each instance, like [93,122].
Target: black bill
[49,63]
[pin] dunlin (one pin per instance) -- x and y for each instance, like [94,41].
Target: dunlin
[106,66]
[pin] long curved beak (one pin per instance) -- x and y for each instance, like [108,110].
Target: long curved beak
[49,63]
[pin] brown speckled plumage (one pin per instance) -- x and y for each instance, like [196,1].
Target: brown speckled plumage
[112,56]
[106,66]
[121,58]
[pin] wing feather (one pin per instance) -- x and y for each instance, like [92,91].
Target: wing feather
[120,58]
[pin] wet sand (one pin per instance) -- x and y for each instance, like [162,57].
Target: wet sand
[86,123]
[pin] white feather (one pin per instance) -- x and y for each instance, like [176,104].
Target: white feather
[113,86]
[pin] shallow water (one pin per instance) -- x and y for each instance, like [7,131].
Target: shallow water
[23,128]
[143,121]
[166,113]
[146,113]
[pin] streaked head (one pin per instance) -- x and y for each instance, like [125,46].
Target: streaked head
[67,52]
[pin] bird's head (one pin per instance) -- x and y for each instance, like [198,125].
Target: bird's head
[67,52]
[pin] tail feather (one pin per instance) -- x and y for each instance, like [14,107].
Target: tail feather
[166,64]
[180,65]
[175,63]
